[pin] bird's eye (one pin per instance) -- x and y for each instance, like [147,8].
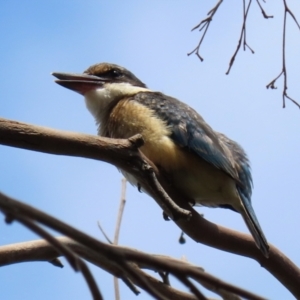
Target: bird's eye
[112,74]
[116,73]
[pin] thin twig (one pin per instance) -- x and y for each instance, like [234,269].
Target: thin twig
[142,281]
[262,11]
[165,277]
[170,208]
[104,233]
[291,14]
[204,24]
[283,72]
[117,232]
[191,286]
[242,36]
[131,286]
[121,211]
[56,262]
[126,281]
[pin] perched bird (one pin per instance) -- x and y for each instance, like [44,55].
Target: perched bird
[201,163]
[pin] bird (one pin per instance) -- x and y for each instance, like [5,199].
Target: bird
[201,163]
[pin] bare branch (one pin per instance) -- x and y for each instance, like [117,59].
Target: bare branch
[104,233]
[124,154]
[125,280]
[117,232]
[170,204]
[242,36]
[291,13]
[262,11]
[191,286]
[76,263]
[42,250]
[165,277]
[271,85]
[20,135]
[121,211]
[204,24]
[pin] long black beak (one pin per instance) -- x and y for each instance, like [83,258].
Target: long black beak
[80,83]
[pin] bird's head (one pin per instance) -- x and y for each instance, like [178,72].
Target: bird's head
[102,85]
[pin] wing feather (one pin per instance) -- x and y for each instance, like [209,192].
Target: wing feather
[189,130]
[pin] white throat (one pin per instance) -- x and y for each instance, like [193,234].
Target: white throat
[98,100]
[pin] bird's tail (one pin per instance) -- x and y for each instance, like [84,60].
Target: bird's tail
[254,227]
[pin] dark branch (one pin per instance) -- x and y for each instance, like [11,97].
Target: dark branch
[124,154]
[242,36]
[204,24]
[262,11]
[115,152]
[120,259]
[283,72]
[189,284]
[75,261]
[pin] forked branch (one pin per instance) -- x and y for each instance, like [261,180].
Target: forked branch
[124,154]
[283,72]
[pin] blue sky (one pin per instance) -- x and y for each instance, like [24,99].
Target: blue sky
[150,38]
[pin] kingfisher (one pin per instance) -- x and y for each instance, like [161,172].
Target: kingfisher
[203,164]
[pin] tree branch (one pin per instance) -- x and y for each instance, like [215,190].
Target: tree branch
[41,250]
[283,72]
[242,36]
[204,24]
[122,153]
[75,261]
[116,237]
